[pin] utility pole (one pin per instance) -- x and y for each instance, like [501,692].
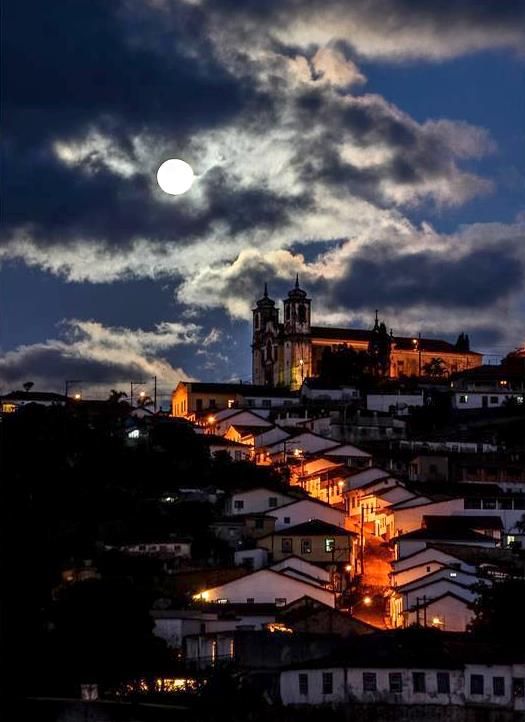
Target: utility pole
[362,540]
[155,394]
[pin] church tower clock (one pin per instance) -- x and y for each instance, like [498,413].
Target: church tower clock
[265,350]
[297,337]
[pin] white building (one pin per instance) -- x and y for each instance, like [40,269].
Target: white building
[303,510]
[463,400]
[265,586]
[398,404]
[256,501]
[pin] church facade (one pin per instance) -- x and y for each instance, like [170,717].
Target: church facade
[285,353]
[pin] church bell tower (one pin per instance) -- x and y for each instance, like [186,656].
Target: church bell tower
[265,350]
[297,337]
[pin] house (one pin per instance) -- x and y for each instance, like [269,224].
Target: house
[440,598]
[315,541]
[271,648]
[169,548]
[428,467]
[257,501]
[394,403]
[420,667]
[314,389]
[406,544]
[309,615]
[174,625]
[191,398]
[489,525]
[219,444]
[463,400]
[300,511]
[240,419]
[301,568]
[237,528]
[265,586]
[304,441]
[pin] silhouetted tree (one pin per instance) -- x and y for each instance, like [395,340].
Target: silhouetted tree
[28,386]
[435,368]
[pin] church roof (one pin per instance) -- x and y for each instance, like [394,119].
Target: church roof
[431,345]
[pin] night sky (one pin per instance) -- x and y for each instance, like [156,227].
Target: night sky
[376,147]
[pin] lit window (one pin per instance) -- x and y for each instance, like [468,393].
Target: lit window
[463,399]
[329,545]
[306,546]
[231,403]
[280,601]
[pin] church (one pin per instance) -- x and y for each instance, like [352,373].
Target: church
[286,353]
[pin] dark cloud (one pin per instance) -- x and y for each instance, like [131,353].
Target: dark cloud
[477,280]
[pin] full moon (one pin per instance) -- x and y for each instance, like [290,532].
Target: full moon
[175,177]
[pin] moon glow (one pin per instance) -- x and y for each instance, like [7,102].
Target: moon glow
[175,176]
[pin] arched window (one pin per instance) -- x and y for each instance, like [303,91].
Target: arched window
[287,312]
[301,313]
[269,351]
[257,321]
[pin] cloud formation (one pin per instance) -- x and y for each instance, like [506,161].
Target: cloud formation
[300,166]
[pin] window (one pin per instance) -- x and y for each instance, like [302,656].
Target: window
[238,504]
[198,405]
[213,404]
[259,523]
[395,682]
[429,569]
[266,403]
[272,502]
[238,456]
[493,399]
[280,601]
[505,504]
[231,403]
[306,546]
[498,686]
[301,313]
[489,503]
[303,684]
[286,520]
[329,545]
[518,687]
[328,683]
[369,682]
[287,545]
[250,600]
[463,399]
[476,684]
[443,683]
[418,681]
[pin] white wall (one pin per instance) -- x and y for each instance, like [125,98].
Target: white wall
[289,687]
[397,579]
[304,510]
[255,501]
[453,612]
[258,557]
[474,399]
[265,586]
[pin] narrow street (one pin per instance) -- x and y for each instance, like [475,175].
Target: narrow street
[375,582]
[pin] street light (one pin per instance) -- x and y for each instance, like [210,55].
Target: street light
[131,385]
[70,382]
[417,347]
